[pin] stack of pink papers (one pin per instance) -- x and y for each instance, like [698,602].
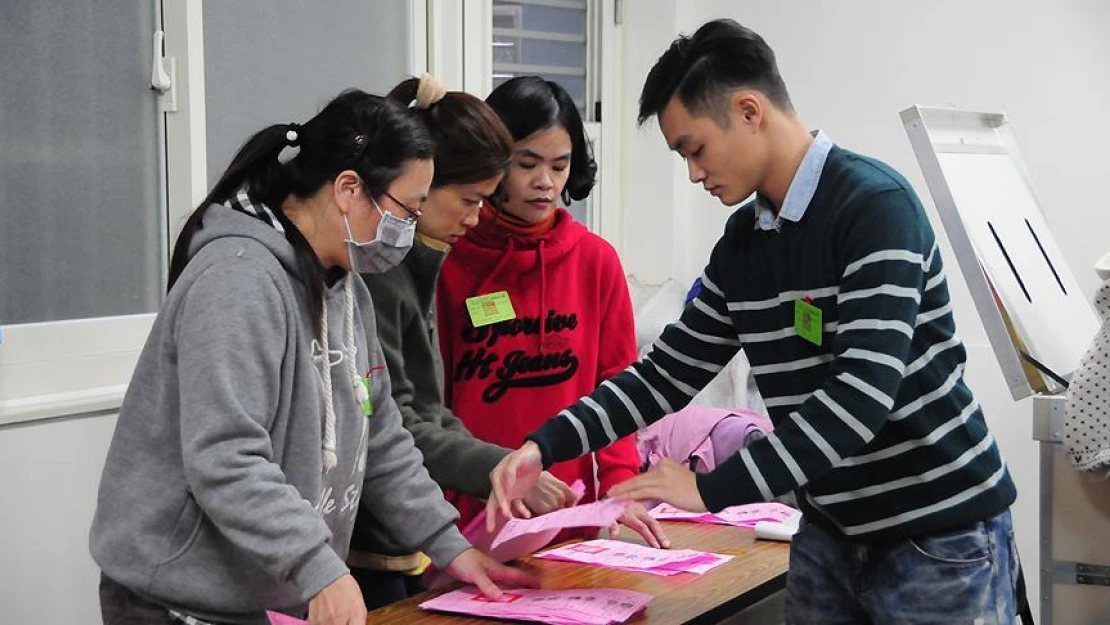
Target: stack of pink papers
[632,557]
[587,606]
[738,516]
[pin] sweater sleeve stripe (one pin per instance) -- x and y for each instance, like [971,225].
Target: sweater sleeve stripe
[886,401]
[678,385]
[709,312]
[661,403]
[934,436]
[778,335]
[916,513]
[921,478]
[757,477]
[780,401]
[876,324]
[857,426]
[784,298]
[578,427]
[883,256]
[712,286]
[602,417]
[626,402]
[876,357]
[792,465]
[884,289]
[816,438]
[793,365]
[711,367]
[706,338]
[929,354]
[919,403]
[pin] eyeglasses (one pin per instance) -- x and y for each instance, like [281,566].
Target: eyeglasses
[414,213]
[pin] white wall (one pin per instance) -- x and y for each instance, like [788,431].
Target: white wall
[850,68]
[50,471]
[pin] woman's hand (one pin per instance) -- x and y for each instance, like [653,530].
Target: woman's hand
[477,568]
[511,480]
[339,603]
[636,517]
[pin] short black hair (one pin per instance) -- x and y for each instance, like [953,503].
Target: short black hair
[529,104]
[703,68]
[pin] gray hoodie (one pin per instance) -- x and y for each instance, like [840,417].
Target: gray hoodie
[214,501]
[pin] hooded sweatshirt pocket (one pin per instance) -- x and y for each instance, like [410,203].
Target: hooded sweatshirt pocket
[185,530]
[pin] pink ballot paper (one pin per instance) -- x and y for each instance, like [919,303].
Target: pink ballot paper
[632,557]
[597,514]
[740,516]
[277,618]
[514,548]
[587,606]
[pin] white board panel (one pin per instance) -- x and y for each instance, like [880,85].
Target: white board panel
[1014,245]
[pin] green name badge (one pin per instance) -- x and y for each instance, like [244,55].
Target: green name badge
[807,321]
[368,403]
[491,308]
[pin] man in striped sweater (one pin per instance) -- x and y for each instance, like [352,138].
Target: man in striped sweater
[832,282]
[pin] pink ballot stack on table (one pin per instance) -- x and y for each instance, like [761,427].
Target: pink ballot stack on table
[639,558]
[738,516]
[587,606]
[772,521]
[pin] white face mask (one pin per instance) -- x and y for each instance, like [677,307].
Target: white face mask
[387,250]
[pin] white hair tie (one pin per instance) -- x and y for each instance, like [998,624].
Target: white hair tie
[429,91]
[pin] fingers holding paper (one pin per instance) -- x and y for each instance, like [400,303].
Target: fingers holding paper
[667,481]
[479,569]
[511,479]
[637,518]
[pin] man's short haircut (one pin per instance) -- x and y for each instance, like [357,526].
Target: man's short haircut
[704,68]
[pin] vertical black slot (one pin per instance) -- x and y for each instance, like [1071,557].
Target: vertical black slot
[1009,262]
[1045,254]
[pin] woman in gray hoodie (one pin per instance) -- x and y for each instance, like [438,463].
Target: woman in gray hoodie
[260,413]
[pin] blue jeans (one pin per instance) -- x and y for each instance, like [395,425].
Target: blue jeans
[964,576]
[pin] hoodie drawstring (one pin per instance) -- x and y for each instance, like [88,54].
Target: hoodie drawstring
[509,249]
[543,290]
[349,353]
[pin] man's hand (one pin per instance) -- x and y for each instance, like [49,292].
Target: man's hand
[477,568]
[511,479]
[636,517]
[339,603]
[667,481]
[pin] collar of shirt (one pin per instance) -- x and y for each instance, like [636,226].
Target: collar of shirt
[801,188]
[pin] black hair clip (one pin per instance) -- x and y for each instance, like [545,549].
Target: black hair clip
[360,142]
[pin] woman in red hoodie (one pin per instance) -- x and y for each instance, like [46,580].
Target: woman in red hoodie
[533,308]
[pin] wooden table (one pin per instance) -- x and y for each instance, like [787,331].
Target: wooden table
[757,571]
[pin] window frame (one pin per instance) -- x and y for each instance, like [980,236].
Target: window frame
[60,369]
[465,62]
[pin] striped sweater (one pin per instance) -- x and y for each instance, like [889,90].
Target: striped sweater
[875,426]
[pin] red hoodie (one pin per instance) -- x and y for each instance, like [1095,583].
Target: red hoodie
[506,379]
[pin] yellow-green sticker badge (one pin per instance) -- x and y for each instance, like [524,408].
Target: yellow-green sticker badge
[367,396]
[490,308]
[807,321]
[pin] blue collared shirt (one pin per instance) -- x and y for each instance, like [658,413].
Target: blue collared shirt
[801,189]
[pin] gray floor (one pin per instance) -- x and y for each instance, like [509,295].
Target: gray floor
[766,612]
